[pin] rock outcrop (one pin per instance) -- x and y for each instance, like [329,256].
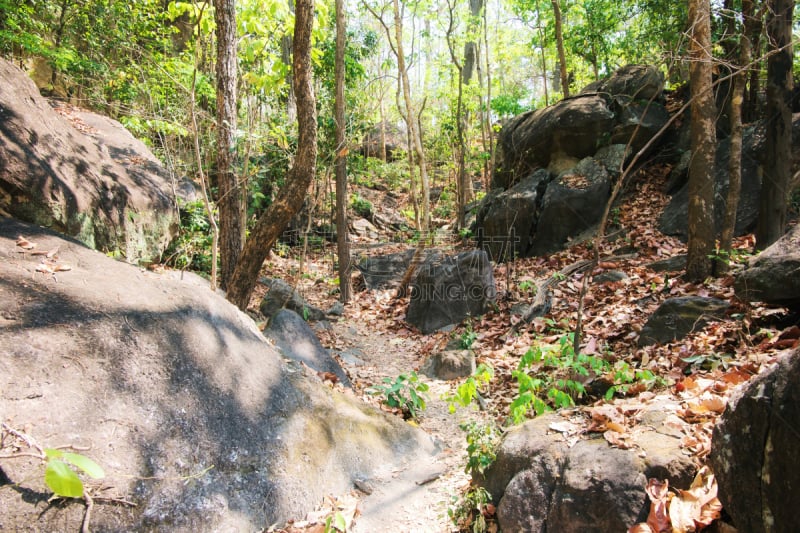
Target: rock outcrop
[677,317]
[753,450]
[541,483]
[297,341]
[773,276]
[194,416]
[445,292]
[82,175]
[556,165]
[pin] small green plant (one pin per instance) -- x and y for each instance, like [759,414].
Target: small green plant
[615,212]
[527,286]
[625,376]
[731,257]
[59,474]
[406,392]
[467,337]
[482,441]
[546,390]
[61,478]
[562,326]
[336,522]
[469,512]
[468,391]
[361,205]
[192,248]
[711,361]
[552,376]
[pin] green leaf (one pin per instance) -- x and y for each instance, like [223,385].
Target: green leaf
[62,480]
[91,468]
[339,522]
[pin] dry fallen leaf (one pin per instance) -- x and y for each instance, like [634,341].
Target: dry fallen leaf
[658,491]
[25,244]
[696,508]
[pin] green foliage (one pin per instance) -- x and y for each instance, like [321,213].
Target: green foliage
[468,336]
[509,104]
[731,257]
[62,479]
[710,362]
[482,442]
[337,522]
[361,205]
[406,392]
[552,376]
[469,512]
[192,248]
[527,286]
[468,391]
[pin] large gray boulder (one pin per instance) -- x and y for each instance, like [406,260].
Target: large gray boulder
[446,292]
[568,130]
[297,341]
[754,450]
[773,276]
[573,203]
[640,82]
[194,416]
[540,483]
[621,109]
[281,295]
[507,219]
[591,135]
[86,177]
[677,317]
[386,271]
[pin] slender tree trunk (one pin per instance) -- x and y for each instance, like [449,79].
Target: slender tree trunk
[542,42]
[342,244]
[488,122]
[413,131]
[290,197]
[286,57]
[231,223]
[461,174]
[703,140]
[470,47]
[735,162]
[778,157]
[562,56]
[753,27]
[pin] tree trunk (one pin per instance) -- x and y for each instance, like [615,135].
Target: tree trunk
[735,162]
[286,57]
[290,197]
[778,157]
[470,47]
[231,221]
[703,140]
[488,116]
[413,130]
[342,244]
[562,56]
[461,149]
[753,26]
[542,42]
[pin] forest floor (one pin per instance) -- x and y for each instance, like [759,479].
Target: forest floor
[698,372]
